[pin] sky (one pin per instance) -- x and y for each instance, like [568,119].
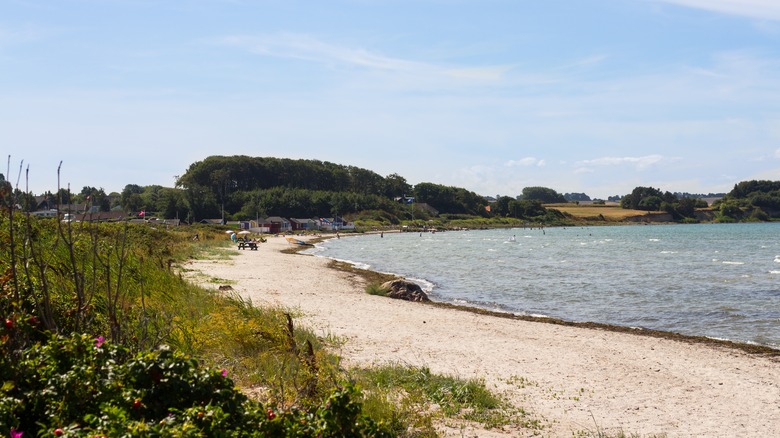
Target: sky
[581,96]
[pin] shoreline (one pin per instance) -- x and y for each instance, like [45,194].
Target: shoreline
[571,376]
[349,266]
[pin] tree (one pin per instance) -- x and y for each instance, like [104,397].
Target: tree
[396,185]
[646,198]
[6,192]
[576,197]
[131,198]
[95,198]
[543,195]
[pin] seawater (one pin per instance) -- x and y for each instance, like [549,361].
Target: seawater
[715,280]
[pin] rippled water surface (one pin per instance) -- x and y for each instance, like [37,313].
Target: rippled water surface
[714,280]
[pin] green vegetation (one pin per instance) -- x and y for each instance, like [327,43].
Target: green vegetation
[750,201]
[416,389]
[650,199]
[102,337]
[376,289]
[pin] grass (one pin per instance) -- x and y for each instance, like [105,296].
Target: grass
[427,398]
[376,289]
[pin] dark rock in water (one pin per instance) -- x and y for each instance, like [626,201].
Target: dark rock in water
[405,290]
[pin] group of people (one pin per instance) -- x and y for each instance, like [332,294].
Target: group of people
[245,239]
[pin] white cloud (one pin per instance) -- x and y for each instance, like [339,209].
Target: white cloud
[761,9]
[301,46]
[306,47]
[525,162]
[639,163]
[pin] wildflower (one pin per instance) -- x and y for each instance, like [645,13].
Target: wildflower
[224,372]
[99,341]
[16,433]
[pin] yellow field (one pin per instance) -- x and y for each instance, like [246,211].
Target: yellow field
[610,212]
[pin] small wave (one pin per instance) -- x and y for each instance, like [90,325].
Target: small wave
[426,285]
[774,272]
[732,263]
[668,252]
[654,240]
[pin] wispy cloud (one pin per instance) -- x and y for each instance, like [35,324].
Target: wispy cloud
[20,35]
[761,9]
[525,162]
[308,48]
[640,163]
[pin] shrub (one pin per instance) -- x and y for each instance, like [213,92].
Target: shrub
[80,386]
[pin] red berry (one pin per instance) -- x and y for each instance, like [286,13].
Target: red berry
[136,404]
[9,324]
[271,414]
[58,432]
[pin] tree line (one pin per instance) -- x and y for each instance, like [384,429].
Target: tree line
[244,188]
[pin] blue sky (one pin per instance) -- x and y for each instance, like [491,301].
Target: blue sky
[593,96]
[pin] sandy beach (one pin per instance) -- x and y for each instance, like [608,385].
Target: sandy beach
[571,379]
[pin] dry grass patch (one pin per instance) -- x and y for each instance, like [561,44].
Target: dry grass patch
[596,212]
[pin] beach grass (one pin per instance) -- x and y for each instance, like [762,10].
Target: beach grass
[427,399]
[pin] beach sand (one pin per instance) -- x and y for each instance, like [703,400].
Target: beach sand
[571,379]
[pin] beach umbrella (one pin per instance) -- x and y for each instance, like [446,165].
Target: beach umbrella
[244,232]
[229,231]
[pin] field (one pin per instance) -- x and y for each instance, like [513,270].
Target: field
[592,212]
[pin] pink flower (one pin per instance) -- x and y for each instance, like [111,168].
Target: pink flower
[16,434]
[224,372]
[99,341]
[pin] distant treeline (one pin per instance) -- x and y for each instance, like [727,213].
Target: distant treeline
[242,188]
[248,187]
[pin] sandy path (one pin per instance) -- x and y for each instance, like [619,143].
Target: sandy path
[572,379]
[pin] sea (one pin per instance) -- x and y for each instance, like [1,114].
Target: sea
[715,280]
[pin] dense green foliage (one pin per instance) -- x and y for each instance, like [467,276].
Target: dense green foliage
[83,386]
[651,199]
[249,187]
[542,194]
[756,200]
[452,200]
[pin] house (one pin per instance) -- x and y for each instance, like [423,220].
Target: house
[211,221]
[303,224]
[334,224]
[277,224]
[100,216]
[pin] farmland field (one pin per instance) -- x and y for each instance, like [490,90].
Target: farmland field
[590,211]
